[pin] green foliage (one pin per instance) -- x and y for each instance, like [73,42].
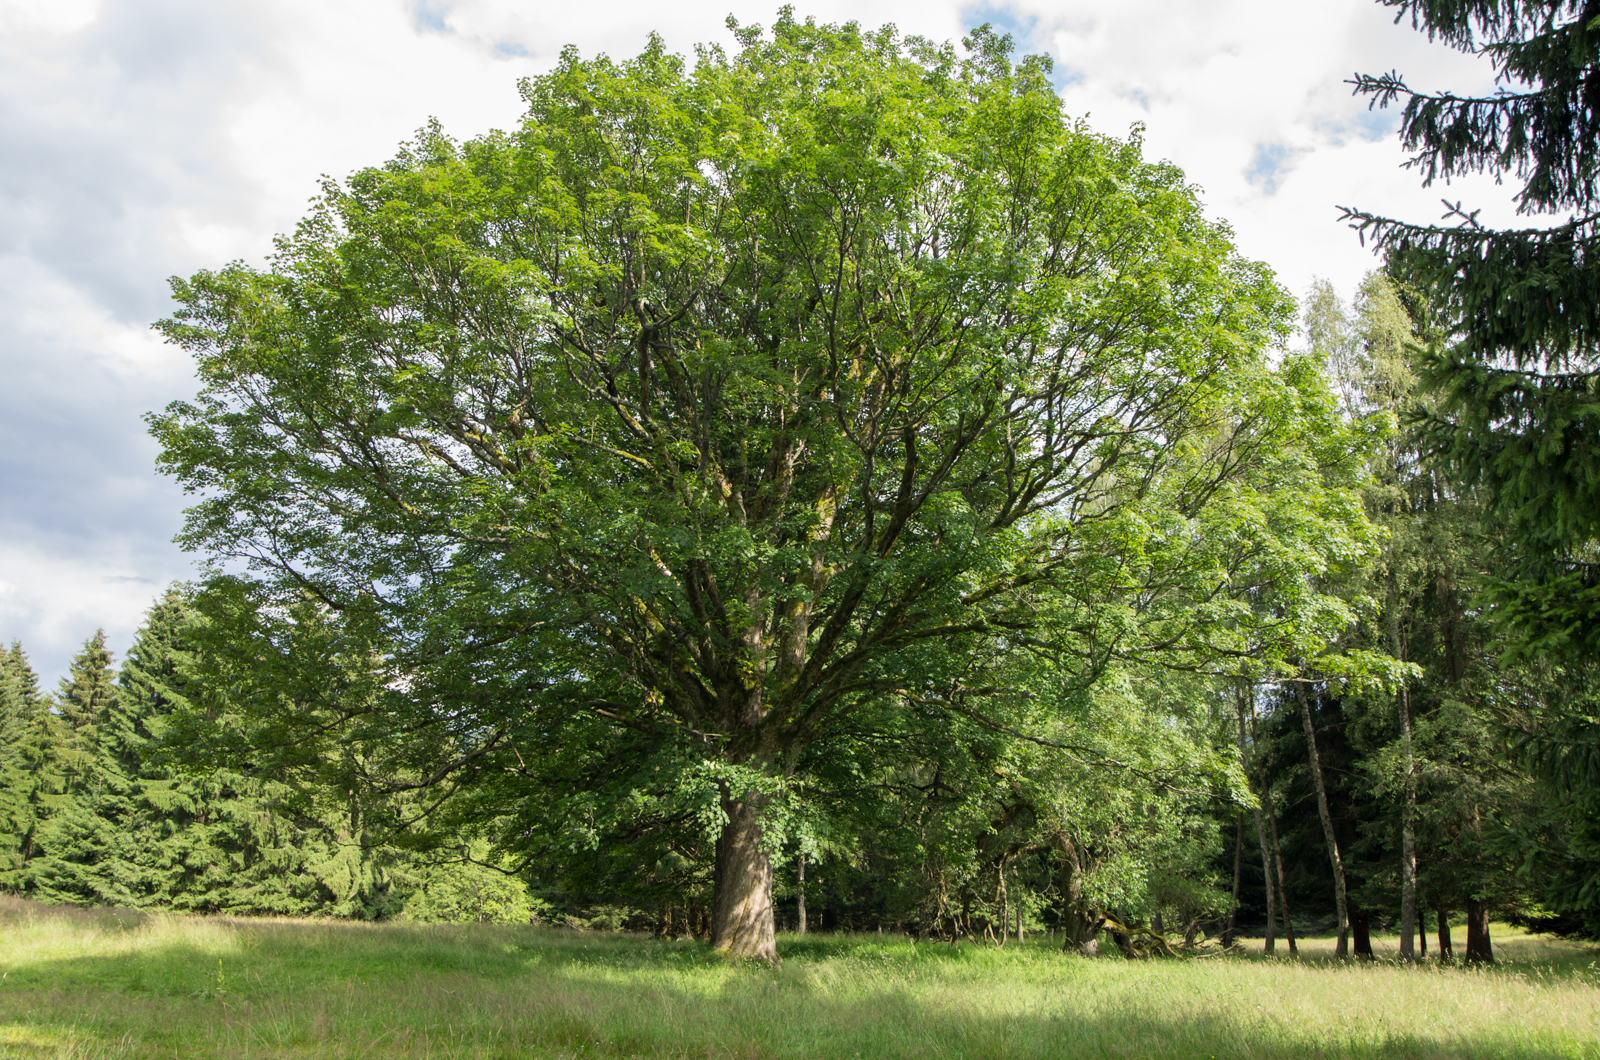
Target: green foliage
[1511,414]
[471,891]
[1514,383]
[33,775]
[614,461]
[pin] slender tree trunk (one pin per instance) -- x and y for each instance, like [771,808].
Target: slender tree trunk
[741,917]
[800,896]
[1005,908]
[1340,902]
[1238,867]
[1422,944]
[1277,850]
[1445,950]
[1408,806]
[1270,944]
[1277,862]
[1479,951]
[1019,924]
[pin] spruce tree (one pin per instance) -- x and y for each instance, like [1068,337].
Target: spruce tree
[202,839]
[32,768]
[1517,382]
[85,849]
[1515,379]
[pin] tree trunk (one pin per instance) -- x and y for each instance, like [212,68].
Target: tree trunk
[1361,928]
[1479,951]
[1277,852]
[1422,944]
[1079,923]
[1005,908]
[1445,952]
[1408,808]
[1277,861]
[800,897]
[1270,944]
[1238,867]
[741,917]
[1341,904]
[1019,924]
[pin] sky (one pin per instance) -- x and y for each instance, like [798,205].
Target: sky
[142,139]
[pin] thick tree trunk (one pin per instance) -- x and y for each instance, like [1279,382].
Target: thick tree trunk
[1238,868]
[1361,929]
[1270,944]
[1479,950]
[1341,903]
[741,917]
[800,896]
[1277,862]
[1079,923]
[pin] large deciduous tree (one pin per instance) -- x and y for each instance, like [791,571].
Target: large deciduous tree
[713,404]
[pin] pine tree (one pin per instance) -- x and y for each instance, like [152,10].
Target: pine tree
[1518,384]
[1516,380]
[84,849]
[32,773]
[202,840]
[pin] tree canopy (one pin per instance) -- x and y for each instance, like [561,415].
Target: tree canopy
[716,404]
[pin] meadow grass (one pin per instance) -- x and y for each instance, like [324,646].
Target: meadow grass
[108,984]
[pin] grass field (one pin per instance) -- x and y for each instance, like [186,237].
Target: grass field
[102,984]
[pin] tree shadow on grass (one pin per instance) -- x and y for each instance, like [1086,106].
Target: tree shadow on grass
[831,998]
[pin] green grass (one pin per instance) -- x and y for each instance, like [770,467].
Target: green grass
[102,984]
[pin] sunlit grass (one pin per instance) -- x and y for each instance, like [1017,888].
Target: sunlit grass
[99,985]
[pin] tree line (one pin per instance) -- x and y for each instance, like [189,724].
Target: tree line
[827,482]
[94,808]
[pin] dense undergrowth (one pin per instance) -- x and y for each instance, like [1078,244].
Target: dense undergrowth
[123,984]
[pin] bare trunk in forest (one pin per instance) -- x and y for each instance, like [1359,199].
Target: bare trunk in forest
[1408,808]
[1479,950]
[1270,944]
[1005,908]
[1277,862]
[1277,852]
[1445,950]
[800,897]
[741,918]
[1340,902]
[1238,867]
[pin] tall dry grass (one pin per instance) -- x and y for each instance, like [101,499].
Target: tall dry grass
[120,984]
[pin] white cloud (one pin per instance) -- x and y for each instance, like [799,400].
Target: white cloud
[148,138]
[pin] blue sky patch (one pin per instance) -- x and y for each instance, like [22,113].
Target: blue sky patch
[430,15]
[1270,163]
